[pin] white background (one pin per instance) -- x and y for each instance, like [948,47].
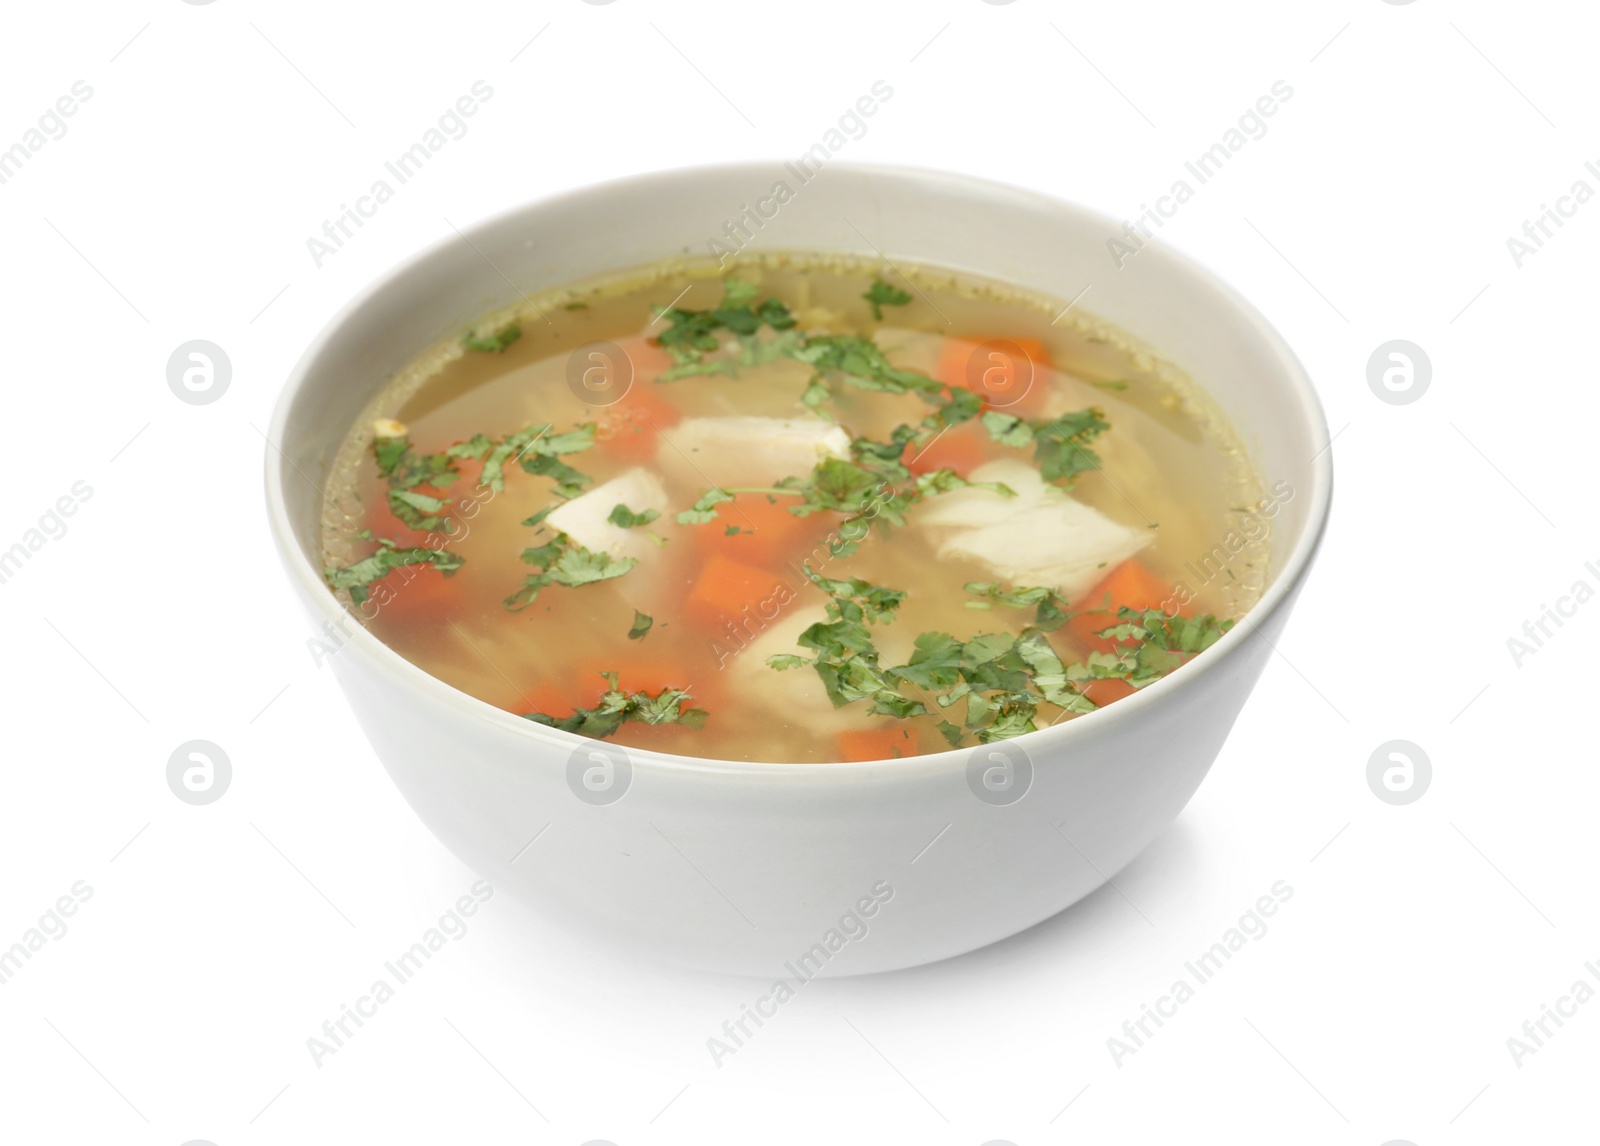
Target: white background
[218,939]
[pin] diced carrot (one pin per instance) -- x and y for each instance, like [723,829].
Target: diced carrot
[1009,373]
[631,426]
[766,532]
[874,744]
[1129,586]
[1107,691]
[726,588]
[960,449]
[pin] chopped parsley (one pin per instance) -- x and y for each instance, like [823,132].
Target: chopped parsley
[360,577]
[1169,633]
[704,509]
[625,518]
[404,468]
[562,561]
[855,599]
[1050,607]
[1059,444]
[641,625]
[538,451]
[496,341]
[1003,683]
[872,487]
[617,708]
[690,334]
[880,294]
[857,360]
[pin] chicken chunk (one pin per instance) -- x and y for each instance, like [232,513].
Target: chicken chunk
[1042,536]
[586,517]
[749,450]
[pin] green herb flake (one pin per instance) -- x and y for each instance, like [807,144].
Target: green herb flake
[617,708]
[562,561]
[421,512]
[495,342]
[1050,607]
[705,509]
[361,576]
[880,294]
[626,518]
[1060,444]
[691,334]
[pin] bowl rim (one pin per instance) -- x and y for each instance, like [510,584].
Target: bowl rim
[1045,746]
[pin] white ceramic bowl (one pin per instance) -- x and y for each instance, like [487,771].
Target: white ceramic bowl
[773,869]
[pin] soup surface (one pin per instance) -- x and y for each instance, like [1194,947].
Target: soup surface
[800,509]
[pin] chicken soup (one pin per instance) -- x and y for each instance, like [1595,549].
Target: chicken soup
[797,509]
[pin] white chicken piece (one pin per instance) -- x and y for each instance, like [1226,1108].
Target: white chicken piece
[795,695]
[748,450]
[585,518]
[1042,536]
